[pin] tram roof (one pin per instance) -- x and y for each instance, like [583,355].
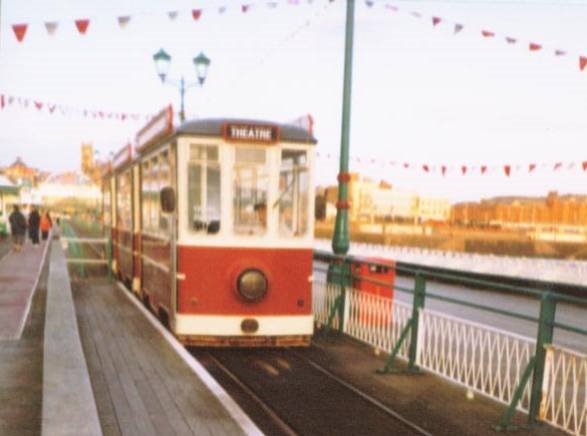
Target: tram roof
[214,127]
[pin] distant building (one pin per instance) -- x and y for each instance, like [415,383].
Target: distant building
[69,189]
[20,173]
[9,195]
[524,212]
[89,166]
[372,201]
[87,158]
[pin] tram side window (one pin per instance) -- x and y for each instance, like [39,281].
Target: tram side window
[163,181]
[251,184]
[293,198]
[124,212]
[154,195]
[106,204]
[145,194]
[204,189]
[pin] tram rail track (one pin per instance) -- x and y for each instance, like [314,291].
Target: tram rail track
[301,396]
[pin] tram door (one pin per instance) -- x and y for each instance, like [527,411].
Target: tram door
[156,231]
[136,201]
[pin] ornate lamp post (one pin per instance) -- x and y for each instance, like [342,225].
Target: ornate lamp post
[162,63]
[341,238]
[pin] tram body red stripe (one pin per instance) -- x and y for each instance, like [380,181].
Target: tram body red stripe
[210,273]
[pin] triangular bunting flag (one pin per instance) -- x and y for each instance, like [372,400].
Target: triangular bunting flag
[82,26]
[560,53]
[426,168]
[245,8]
[51,108]
[123,21]
[1,101]
[222,9]
[534,47]
[510,40]
[464,169]
[557,166]
[196,14]
[458,28]
[487,33]
[51,27]
[584,164]
[406,165]
[531,167]
[507,170]
[483,169]
[172,15]
[19,31]
[38,105]
[582,62]
[416,14]
[436,20]
[391,8]
[369,3]
[443,169]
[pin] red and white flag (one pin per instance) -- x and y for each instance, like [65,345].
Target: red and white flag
[82,25]
[19,31]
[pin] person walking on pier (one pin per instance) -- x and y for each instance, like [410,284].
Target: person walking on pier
[34,223]
[46,225]
[17,228]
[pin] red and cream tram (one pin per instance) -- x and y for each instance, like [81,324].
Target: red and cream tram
[212,227]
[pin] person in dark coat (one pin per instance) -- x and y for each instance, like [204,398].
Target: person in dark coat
[17,228]
[34,223]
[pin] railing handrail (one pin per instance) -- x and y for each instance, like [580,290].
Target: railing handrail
[447,276]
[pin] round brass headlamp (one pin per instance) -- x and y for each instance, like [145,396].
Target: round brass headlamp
[252,285]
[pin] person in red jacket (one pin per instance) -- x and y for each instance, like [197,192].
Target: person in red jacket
[46,225]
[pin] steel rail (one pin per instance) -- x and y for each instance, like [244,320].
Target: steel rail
[363,395]
[284,426]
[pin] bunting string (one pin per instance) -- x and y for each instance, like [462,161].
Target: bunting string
[485,33]
[82,24]
[8,102]
[506,169]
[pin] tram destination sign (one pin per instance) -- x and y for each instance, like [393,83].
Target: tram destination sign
[122,157]
[260,133]
[159,126]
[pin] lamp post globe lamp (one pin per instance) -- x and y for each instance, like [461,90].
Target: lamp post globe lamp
[201,62]
[162,62]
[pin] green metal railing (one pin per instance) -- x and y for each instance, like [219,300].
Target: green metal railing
[545,320]
[82,251]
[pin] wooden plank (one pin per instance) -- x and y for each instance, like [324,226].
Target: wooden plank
[138,411]
[119,400]
[142,354]
[145,377]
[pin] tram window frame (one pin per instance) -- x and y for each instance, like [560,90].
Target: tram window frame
[106,204]
[293,197]
[154,195]
[204,198]
[250,211]
[163,179]
[124,200]
[145,195]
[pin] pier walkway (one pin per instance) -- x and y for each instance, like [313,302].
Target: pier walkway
[96,367]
